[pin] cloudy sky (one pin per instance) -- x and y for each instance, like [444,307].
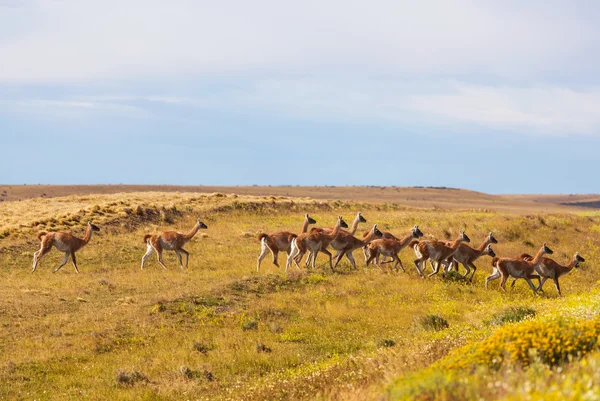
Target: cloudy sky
[495,96]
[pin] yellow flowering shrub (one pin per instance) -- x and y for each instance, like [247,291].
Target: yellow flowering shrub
[516,346]
[550,342]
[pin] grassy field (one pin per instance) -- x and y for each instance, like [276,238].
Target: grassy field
[222,330]
[430,197]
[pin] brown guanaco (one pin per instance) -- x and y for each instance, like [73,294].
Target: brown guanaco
[551,269]
[279,242]
[315,241]
[64,242]
[170,241]
[391,248]
[517,268]
[466,255]
[436,251]
[350,243]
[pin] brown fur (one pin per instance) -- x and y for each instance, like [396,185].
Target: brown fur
[318,241]
[338,242]
[314,241]
[389,247]
[517,268]
[351,243]
[548,268]
[436,251]
[172,241]
[467,255]
[64,242]
[279,242]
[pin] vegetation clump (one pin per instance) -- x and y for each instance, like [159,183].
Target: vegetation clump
[544,344]
[129,378]
[434,322]
[511,315]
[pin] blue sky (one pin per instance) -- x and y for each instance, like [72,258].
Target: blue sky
[500,97]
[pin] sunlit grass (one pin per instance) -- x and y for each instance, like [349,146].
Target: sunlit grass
[203,332]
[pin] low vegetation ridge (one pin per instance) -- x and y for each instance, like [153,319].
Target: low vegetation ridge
[440,197]
[221,330]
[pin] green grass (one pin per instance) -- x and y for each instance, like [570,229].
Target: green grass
[117,332]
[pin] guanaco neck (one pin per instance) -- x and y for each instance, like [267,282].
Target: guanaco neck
[407,239]
[335,232]
[369,237]
[483,245]
[537,258]
[192,232]
[354,226]
[569,266]
[454,244]
[88,234]
[305,225]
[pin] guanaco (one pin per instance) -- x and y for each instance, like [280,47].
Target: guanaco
[436,252]
[385,235]
[316,241]
[517,268]
[551,269]
[337,243]
[466,255]
[350,243]
[64,242]
[279,242]
[390,248]
[170,241]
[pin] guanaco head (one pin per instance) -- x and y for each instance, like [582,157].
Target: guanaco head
[546,249]
[491,238]
[201,224]
[578,259]
[489,251]
[93,227]
[310,219]
[378,234]
[342,223]
[416,233]
[463,237]
[361,218]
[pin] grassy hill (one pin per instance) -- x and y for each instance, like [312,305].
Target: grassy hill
[222,330]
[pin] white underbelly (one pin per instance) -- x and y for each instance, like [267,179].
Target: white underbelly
[61,246]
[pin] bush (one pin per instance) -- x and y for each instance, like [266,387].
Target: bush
[511,315]
[130,378]
[548,342]
[434,322]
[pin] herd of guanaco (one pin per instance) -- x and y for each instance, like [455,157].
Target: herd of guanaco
[446,255]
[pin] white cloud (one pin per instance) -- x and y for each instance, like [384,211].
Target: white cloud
[535,63]
[532,110]
[83,40]
[541,109]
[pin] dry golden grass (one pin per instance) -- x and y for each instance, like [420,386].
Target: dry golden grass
[441,198]
[220,330]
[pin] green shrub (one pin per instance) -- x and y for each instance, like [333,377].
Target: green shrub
[511,315]
[434,322]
